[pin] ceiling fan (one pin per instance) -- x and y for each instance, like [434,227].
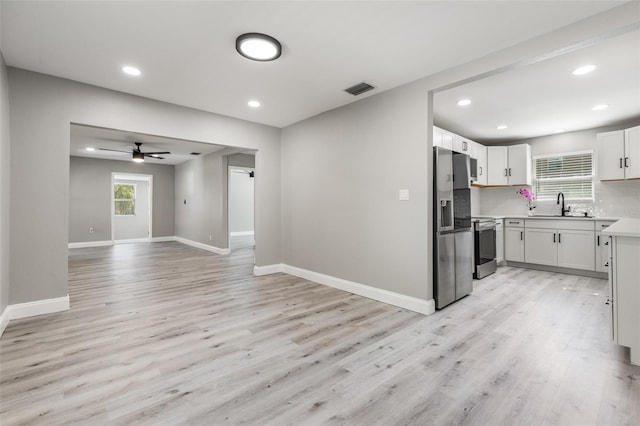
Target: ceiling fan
[137,155]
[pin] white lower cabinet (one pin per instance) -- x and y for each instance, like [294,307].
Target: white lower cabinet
[624,293]
[576,249]
[514,240]
[567,243]
[499,241]
[540,247]
[602,246]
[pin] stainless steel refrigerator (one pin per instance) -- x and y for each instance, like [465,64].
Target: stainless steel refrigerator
[453,239]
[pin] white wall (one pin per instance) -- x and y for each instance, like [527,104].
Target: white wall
[240,200]
[342,171]
[90,197]
[5,188]
[42,108]
[133,226]
[200,200]
[612,199]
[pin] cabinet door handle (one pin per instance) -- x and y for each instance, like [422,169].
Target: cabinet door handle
[626,161]
[509,171]
[606,243]
[608,301]
[480,170]
[521,236]
[620,162]
[559,238]
[554,237]
[598,240]
[464,146]
[505,172]
[606,264]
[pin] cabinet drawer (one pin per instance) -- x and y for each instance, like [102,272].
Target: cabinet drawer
[514,223]
[577,224]
[602,224]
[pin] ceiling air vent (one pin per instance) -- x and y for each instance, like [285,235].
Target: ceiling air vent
[359,88]
[195,153]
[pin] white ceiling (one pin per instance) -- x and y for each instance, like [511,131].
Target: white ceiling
[539,99]
[187,54]
[83,137]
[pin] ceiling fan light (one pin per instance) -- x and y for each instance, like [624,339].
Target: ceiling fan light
[138,157]
[258,47]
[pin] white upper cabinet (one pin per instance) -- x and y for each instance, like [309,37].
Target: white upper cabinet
[619,154]
[479,152]
[442,138]
[461,144]
[632,153]
[509,165]
[520,164]
[610,149]
[497,165]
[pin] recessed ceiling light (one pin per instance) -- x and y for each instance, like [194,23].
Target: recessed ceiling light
[586,69]
[258,47]
[600,107]
[501,127]
[464,102]
[131,70]
[90,149]
[253,104]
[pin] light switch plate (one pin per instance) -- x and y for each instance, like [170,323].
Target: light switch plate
[403,195]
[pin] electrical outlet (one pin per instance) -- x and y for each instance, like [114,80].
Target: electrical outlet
[403,195]
[91,229]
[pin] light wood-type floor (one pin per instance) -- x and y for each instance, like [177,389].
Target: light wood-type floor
[163,333]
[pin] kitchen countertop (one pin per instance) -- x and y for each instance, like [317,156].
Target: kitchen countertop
[628,227]
[515,216]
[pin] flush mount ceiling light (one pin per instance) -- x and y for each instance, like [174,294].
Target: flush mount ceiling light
[258,47]
[600,107]
[501,127]
[253,104]
[464,102]
[586,69]
[129,70]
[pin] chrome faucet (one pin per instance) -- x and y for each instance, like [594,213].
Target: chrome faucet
[563,211]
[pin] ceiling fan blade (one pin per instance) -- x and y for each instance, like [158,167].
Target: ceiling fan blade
[156,153]
[155,156]
[114,150]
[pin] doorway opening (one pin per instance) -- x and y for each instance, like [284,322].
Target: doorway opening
[131,207]
[241,196]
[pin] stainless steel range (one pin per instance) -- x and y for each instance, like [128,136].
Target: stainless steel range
[484,247]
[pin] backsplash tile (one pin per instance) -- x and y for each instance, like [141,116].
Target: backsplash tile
[612,199]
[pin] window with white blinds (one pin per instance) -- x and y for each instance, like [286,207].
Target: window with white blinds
[571,174]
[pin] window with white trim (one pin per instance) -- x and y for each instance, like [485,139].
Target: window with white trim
[124,199]
[571,174]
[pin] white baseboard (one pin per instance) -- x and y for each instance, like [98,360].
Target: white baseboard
[91,244]
[162,239]
[39,307]
[4,320]
[241,233]
[203,246]
[259,271]
[132,240]
[426,307]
